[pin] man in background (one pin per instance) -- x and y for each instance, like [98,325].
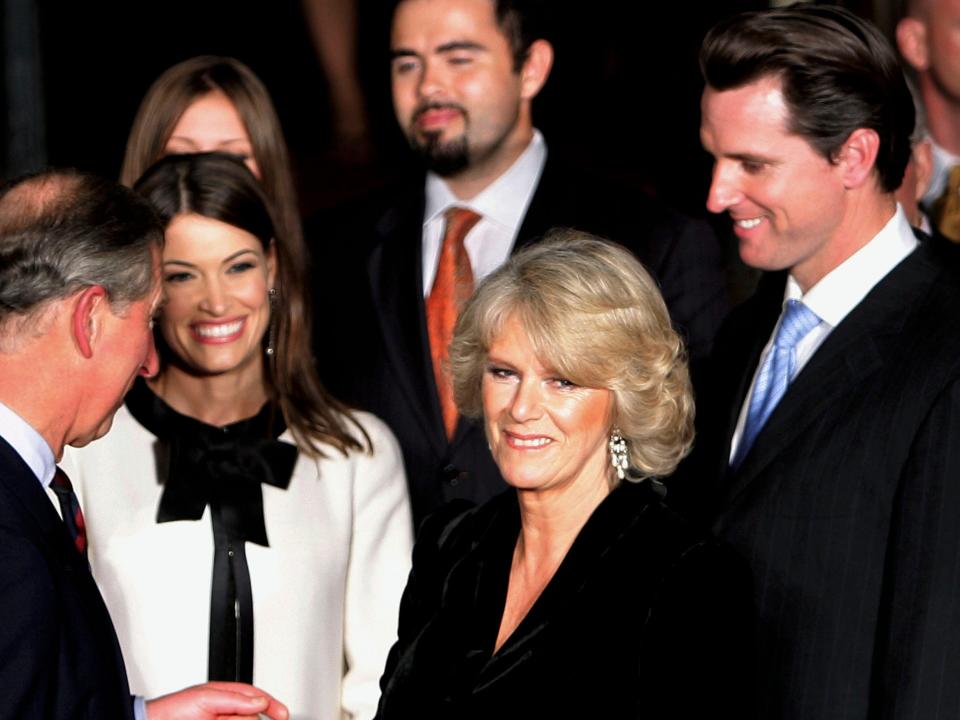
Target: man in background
[927,38]
[464,77]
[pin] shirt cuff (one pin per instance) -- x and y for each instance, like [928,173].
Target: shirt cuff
[139,707]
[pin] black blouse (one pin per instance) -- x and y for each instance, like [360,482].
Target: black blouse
[644,618]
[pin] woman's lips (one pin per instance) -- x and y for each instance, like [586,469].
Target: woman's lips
[217,333]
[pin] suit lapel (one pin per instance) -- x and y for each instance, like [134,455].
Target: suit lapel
[396,280]
[856,349]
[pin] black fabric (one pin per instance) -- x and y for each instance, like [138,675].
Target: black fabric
[59,655]
[846,506]
[371,341]
[222,467]
[643,619]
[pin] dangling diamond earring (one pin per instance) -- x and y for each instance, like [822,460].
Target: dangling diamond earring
[271,338]
[618,453]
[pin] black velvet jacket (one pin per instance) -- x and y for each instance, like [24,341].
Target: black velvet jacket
[644,618]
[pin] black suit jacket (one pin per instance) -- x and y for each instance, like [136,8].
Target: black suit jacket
[644,618]
[372,345]
[847,506]
[59,656]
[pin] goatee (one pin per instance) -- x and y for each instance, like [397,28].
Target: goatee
[444,158]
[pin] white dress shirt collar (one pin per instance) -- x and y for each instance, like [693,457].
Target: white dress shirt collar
[28,443]
[841,290]
[943,160]
[505,200]
[502,206]
[837,293]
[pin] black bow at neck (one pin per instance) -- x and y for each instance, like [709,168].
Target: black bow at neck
[223,467]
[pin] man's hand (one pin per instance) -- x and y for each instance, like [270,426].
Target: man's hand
[216,701]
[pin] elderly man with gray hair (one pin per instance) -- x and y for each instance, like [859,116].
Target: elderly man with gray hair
[79,285]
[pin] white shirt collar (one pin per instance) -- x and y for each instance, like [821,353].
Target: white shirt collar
[28,443]
[943,160]
[842,289]
[505,200]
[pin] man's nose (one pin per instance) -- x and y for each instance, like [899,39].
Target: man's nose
[724,190]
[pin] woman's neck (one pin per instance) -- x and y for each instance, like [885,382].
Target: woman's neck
[216,400]
[550,521]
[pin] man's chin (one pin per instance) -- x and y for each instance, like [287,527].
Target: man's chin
[444,158]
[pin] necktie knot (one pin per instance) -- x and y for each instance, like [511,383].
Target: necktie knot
[798,320]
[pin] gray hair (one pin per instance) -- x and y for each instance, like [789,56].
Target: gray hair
[63,230]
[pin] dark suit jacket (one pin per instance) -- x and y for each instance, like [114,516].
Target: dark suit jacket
[847,506]
[644,618]
[371,339]
[59,656]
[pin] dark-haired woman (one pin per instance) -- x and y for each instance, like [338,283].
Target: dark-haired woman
[242,523]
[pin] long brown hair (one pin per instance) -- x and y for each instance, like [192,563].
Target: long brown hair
[177,88]
[220,187]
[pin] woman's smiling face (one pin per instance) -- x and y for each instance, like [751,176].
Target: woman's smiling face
[544,431]
[216,278]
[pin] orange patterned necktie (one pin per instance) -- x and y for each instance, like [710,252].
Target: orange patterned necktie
[452,287]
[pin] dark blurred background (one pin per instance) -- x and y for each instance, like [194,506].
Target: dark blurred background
[623,96]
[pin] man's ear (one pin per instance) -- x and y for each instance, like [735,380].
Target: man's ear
[536,68]
[86,321]
[912,41]
[858,157]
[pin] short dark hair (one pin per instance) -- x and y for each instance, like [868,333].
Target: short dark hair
[63,230]
[522,22]
[838,74]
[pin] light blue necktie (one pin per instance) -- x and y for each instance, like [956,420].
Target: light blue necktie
[776,372]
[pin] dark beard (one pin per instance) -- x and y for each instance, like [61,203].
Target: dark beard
[443,158]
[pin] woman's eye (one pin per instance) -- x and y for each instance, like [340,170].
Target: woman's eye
[241,267]
[176,277]
[500,373]
[563,383]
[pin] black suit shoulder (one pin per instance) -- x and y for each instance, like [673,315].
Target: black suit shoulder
[59,657]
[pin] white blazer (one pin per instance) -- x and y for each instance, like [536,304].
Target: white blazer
[325,593]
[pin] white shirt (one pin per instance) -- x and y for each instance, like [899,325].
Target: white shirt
[29,444]
[943,160]
[502,206]
[837,293]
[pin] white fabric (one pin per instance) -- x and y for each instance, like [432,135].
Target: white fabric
[28,443]
[943,160]
[837,293]
[502,206]
[325,593]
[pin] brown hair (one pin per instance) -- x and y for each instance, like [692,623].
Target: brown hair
[838,74]
[220,187]
[176,89]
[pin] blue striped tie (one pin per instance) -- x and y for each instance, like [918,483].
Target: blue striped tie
[776,372]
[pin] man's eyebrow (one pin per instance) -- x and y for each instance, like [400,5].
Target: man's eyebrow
[448,47]
[460,45]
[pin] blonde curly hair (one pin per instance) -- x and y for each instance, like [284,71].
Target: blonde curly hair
[594,315]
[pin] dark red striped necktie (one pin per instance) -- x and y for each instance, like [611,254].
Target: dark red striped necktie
[70,508]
